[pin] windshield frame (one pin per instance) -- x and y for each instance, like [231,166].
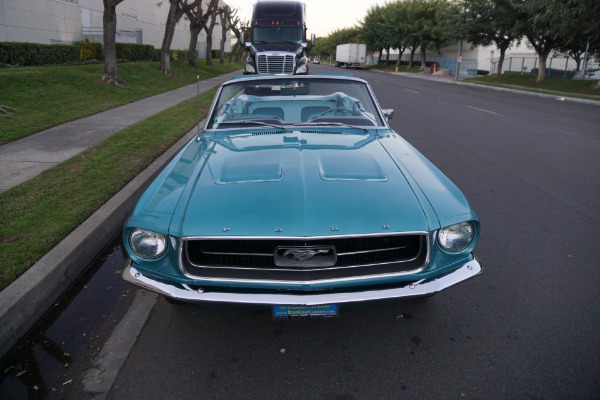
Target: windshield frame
[216,109]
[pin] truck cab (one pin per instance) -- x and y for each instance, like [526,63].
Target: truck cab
[277,42]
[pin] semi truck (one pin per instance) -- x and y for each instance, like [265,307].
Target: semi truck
[351,55]
[277,42]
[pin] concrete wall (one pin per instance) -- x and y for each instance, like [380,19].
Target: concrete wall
[56,21]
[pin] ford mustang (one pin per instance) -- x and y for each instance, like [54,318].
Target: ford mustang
[297,194]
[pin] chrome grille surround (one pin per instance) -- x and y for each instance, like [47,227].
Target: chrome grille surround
[252,259]
[280,63]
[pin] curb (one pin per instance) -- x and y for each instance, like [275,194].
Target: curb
[24,302]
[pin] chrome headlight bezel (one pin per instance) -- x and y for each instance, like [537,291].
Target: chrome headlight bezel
[146,244]
[457,237]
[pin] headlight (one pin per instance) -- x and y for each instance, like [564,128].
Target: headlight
[457,237]
[147,244]
[250,69]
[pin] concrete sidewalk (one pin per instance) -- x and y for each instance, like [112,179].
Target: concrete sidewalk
[25,158]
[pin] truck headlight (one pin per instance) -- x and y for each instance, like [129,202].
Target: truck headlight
[147,244]
[302,67]
[250,69]
[457,237]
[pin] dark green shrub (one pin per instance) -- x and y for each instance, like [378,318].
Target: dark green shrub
[134,52]
[29,54]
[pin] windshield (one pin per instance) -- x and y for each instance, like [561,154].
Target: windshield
[294,101]
[277,35]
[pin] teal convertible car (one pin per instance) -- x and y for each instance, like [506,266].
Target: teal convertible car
[297,194]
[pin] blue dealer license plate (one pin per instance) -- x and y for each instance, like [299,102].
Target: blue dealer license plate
[323,310]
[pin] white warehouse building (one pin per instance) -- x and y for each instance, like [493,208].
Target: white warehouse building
[68,21]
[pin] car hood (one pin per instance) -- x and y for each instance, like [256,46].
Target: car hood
[309,183]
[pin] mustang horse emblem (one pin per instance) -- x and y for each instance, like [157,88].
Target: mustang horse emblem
[303,254]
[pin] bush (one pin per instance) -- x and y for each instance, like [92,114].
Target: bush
[482,72]
[31,54]
[135,52]
[89,50]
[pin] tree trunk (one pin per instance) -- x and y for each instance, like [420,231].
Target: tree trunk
[542,72]
[209,32]
[500,61]
[194,33]
[224,29]
[413,50]
[109,21]
[423,58]
[400,53]
[379,58]
[387,56]
[165,49]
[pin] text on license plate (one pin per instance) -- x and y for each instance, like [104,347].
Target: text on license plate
[323,310]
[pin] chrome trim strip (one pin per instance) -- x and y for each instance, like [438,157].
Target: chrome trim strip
[415,289]
[308,238]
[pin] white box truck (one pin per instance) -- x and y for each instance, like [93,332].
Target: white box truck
[351,55]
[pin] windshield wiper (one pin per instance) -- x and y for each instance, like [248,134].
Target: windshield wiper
[362,128]
[251,122]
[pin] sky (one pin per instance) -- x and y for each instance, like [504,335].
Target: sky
[322,16]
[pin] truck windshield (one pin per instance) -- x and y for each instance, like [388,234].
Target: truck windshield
[277,35]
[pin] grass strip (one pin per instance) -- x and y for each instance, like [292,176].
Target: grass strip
[36,215]
[35,99]
[578,88]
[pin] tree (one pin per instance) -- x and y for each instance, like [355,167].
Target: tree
[177,8]
[198,18]
[109,21]
[490,22]
[373,31]
[548,25]
[224,28]
[431,22]
[208,29]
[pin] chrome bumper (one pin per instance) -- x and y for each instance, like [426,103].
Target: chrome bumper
[414,289]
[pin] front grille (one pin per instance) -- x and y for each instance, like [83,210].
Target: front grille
[255,258]
[270,64]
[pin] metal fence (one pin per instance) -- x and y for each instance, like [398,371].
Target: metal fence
[447,65]
[559,67]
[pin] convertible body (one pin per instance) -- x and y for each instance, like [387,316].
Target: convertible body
[297,193]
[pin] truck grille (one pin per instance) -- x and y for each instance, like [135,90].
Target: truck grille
[285,260]
[271,64]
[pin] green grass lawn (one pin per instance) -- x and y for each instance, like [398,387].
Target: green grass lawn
[559,86]
[44,97]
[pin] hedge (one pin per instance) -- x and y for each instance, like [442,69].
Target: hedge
[30,54]
[135,52]
[89,51]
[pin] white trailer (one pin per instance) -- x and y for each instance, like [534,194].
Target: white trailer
[351,55]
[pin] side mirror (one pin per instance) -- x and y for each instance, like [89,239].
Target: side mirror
[388,113]
[245,44]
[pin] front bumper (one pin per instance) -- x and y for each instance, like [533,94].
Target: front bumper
[412,289]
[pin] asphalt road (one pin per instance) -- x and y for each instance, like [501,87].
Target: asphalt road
[526,328]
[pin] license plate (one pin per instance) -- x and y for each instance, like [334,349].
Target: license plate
[320,311]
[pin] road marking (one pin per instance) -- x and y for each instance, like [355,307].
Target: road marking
[99,379]
[412,91]
[487,111]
